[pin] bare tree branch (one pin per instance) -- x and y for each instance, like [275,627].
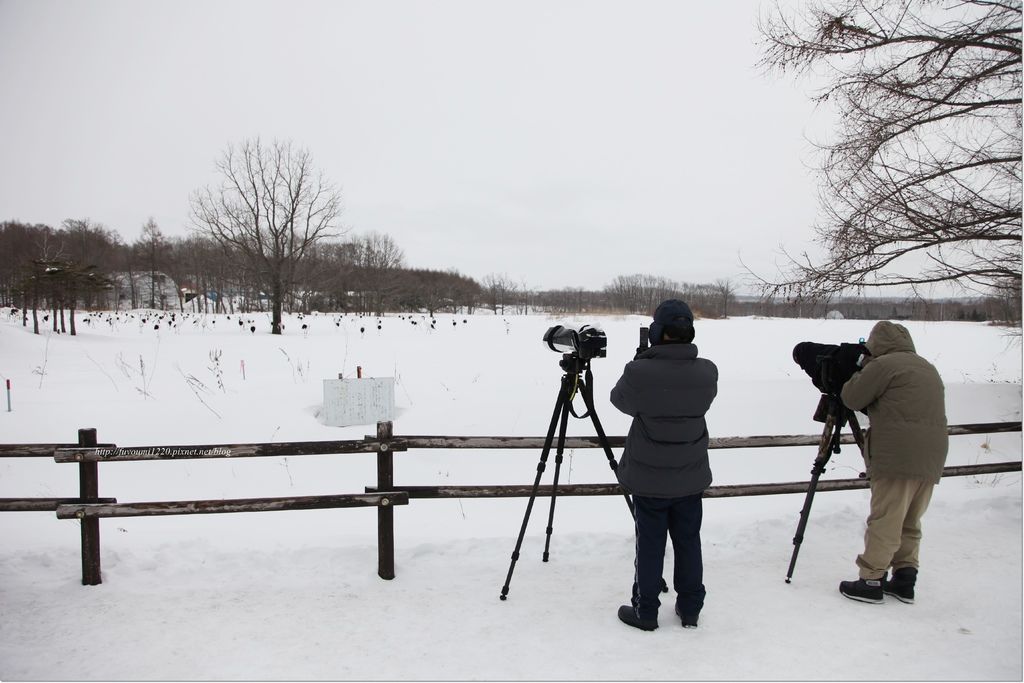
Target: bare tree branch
[927,156]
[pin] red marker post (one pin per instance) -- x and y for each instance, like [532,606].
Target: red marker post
[8,396]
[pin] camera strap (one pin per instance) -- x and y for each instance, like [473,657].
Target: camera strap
[587,390]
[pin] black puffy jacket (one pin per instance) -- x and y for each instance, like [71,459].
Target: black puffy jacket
[666,390]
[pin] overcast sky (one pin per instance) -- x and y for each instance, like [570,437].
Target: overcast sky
[561,143]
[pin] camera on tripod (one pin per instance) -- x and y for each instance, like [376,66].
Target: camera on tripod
[586,342]
[830,366]
[577,347]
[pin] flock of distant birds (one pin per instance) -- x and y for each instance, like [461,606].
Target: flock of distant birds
[174,320]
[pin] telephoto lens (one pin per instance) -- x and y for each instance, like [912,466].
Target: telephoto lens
[585,342]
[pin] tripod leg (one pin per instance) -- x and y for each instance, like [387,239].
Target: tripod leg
[829,436]
[588,398]
[858,435]
[560,406]
[560,449]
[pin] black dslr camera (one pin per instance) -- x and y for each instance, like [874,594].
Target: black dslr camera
[584,343]
[830,366]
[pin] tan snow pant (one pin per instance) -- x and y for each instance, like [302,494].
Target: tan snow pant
[893,536]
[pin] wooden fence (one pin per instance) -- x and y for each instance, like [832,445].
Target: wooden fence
[89,508]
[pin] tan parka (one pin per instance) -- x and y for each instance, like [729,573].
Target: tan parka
[904,399]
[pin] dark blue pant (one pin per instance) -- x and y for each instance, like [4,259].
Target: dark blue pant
[680,518]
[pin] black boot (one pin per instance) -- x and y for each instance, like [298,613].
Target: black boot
[901,586]
[688,620]
[627,615]
[864,590]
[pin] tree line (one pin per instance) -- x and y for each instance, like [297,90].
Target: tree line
[42,267]
[83,265]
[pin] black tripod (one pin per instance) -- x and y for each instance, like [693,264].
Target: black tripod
[834,414]
[573,365]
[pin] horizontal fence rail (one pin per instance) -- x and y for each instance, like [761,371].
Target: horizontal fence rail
[38,450]
[89,507]
[715,443]
[111,453]
[724,491]
[198,507]
[44,504]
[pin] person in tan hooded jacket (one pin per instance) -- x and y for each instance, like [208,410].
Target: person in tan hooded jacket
[905,452]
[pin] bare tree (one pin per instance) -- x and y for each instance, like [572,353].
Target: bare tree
[270,209]
[378,258]
[152,243]
[726,291]
[642,293]
[922,182]
[17,249]
[463,292]
[524,298]
[498,288]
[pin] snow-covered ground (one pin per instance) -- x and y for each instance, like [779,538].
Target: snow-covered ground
[294,595]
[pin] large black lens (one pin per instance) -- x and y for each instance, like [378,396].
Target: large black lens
[586,342]
[808,356]
[829,366]
[560,339]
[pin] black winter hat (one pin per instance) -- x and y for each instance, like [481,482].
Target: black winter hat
[670,313]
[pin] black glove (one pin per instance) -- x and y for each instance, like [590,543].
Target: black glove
[643,343]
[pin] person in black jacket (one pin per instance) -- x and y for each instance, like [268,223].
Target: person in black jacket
[667,390]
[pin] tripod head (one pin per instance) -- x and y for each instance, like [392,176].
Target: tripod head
[834,414]
[573,364]
[831,404]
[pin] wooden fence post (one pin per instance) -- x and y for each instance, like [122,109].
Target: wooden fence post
[385,514]
[89,489]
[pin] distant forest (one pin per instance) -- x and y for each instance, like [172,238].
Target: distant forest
[83,265]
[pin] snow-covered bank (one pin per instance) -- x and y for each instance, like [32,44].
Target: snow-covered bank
[295,595]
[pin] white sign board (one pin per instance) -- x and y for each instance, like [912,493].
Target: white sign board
[358,401]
